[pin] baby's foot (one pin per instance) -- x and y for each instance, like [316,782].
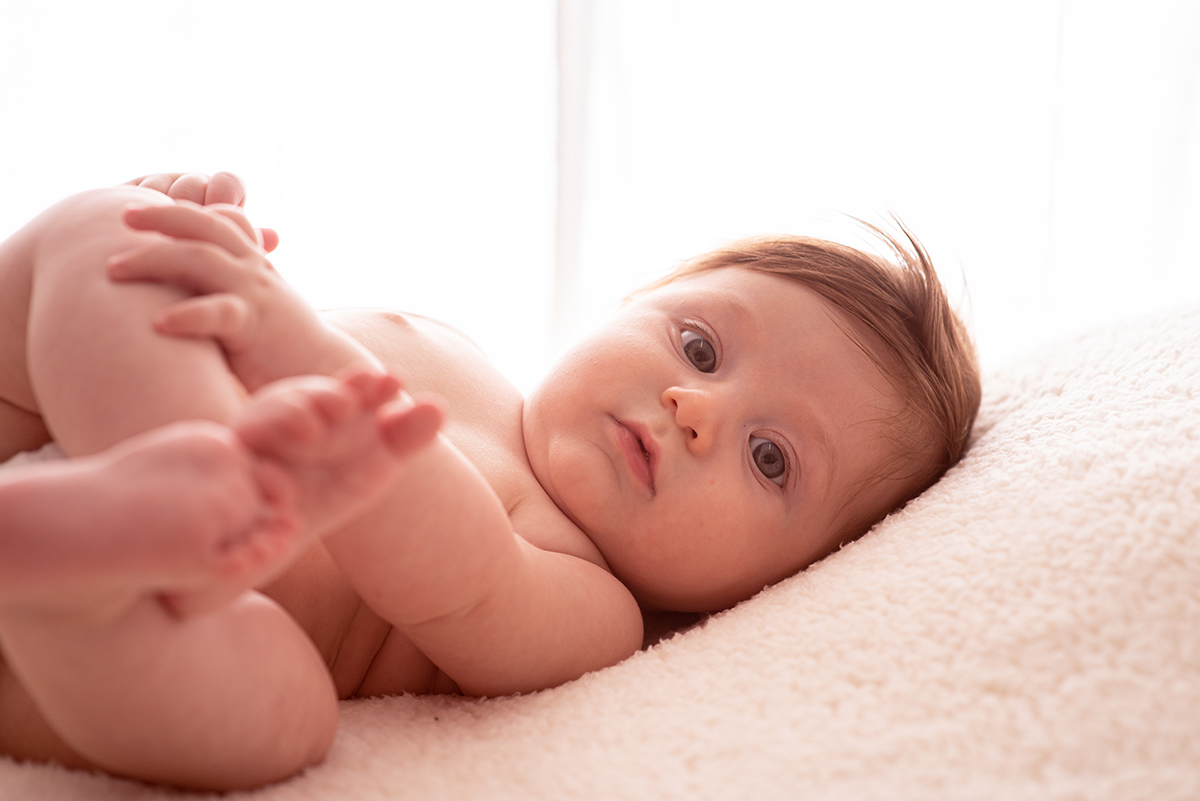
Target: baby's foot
[340,441]
[335,443]
[196,512]
[176,507]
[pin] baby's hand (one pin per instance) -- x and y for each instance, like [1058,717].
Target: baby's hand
[267,330]
[221,188]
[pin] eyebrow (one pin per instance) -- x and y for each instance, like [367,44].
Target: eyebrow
[828,461]
[733,305]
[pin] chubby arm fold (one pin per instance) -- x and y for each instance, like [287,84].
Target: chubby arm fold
[439,560]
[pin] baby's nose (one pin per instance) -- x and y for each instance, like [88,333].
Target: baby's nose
[695,413]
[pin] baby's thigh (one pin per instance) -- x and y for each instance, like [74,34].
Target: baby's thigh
[98,372]
[21,426]
[86,221]
[24,732]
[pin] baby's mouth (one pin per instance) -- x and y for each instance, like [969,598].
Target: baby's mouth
[639,454]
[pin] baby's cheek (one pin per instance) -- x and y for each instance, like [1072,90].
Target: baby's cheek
[575,480]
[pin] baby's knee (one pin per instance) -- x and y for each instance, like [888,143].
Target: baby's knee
[92,222]
[74,241]
[102,204]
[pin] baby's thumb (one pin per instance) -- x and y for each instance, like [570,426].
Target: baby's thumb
[222,317]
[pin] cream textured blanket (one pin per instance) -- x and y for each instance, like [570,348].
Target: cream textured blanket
[1027,629]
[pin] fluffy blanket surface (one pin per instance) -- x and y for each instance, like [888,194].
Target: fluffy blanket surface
[1029,628]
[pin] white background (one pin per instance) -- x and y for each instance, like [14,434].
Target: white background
[1047,153]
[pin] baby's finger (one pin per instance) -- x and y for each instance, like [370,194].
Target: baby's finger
[225,187]
[220,317]
[159,182]
[197,266]
[188,221]
[238,218]
[190,186]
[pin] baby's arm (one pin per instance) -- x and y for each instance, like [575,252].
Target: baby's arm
[438,558]
[194,513]
[266,329]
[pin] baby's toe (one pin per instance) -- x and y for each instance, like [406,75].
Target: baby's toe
[407,429]
[373,389]
[332,404]
[276,425]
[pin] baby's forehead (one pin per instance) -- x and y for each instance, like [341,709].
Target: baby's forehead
[763,300]
[704,296]
[740,290]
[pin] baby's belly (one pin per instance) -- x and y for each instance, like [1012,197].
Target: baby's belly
[365,655]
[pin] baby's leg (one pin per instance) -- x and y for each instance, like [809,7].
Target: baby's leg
[115,679]
[233,699]
[186,503]
[101,374]
[339,440]
[335,444]
[98,371]
[96,672]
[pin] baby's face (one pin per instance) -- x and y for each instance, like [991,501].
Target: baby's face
[707,439]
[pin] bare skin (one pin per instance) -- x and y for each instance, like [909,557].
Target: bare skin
[474,570]
[191,516]
[140,552]
[478,561]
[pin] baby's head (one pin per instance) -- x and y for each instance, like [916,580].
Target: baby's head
[751,412]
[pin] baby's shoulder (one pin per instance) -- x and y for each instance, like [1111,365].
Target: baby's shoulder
[421,347]
[497,449]
[483,415]
[430,356]
[542,524]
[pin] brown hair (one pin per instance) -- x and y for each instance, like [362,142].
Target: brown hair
[901,318]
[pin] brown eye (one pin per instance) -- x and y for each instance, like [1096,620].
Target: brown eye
[769,459]
[699,352]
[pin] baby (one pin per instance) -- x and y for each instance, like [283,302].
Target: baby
[734,423]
